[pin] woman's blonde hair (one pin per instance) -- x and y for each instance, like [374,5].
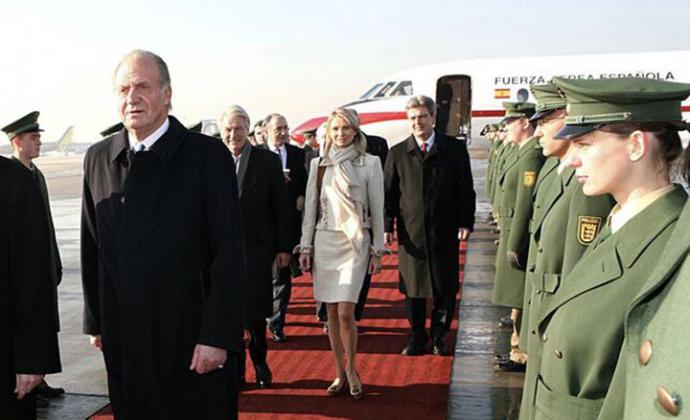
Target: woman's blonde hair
[352,119]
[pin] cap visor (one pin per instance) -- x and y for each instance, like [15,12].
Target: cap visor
[570,132]
[541,114]
[507,120]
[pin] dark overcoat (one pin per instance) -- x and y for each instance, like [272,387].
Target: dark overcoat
[163,269]
[28,340]
[297,186]
[266,225]
[377,146]
[430,198]
[56,262]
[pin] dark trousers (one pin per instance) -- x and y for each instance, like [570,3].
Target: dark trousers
[257,345]
[231,365]
[13,409]
[282,289]
[322,313]
[441,317]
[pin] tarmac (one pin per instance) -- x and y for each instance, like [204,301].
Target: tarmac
[476,390]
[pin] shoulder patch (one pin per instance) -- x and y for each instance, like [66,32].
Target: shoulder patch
[529,178]
[587,228]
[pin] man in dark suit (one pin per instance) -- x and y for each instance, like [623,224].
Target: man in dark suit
[266,224]
[28,337]
[25,137]
[292,161]
[163,265]
[431,198]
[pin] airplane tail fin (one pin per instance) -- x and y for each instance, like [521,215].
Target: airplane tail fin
[65,140]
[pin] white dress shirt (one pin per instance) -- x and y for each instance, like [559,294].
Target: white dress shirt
[149,141]
[429,142]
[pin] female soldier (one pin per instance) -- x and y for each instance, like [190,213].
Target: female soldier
[625,136]
[344,200]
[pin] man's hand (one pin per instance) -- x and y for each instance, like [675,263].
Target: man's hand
[283,259]
[300,203]
[464,234]
[513,259]
[388,238]
[305,262]
[95,340]
[207,359]
[25,383]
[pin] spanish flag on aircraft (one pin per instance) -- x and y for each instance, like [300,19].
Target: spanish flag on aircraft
[503,93]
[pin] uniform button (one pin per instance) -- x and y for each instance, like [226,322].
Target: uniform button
[541,250]
[122,200]
[533,332]
[539,292]
[645,352]
[669,402]
[544,338]
[558,353]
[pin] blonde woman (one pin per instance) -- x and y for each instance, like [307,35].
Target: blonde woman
[344,203]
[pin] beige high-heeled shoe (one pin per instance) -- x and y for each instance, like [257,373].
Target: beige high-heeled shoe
[337,387]
[357,391]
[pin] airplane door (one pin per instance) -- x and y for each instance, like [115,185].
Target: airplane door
[454,106]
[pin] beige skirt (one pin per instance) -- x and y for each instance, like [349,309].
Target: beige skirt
[338,270]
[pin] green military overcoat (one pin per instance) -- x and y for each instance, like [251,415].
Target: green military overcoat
[505,154]
[653,360]
[518,180]
[582,326]
[553,238]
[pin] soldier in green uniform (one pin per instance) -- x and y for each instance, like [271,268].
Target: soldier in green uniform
[624,133]
[504,151]
[517,179]
[489,131]
[558,202]
[25,137]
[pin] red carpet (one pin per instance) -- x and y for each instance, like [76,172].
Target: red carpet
[396,387]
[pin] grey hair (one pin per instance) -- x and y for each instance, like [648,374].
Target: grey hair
[269,119]
[161,66]
[421,101]
[235,111]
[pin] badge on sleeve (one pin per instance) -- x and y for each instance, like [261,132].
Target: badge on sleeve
[587,228]
[529,178]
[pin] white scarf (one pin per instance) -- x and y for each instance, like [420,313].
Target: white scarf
[348,193]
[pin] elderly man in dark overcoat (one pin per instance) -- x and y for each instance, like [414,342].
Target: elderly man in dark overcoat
[163,265]
[266,225]
[28,337]
[430,196]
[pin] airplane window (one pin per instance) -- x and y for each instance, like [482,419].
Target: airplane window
[371,91]
[403,89]
[523,95]
[386,88]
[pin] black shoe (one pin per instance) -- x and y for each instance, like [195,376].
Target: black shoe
[47,391]
[414,348]
[502,357]
[41,401]
[510,366]
[278,336]
[263,375]
[440,347]
[505,321]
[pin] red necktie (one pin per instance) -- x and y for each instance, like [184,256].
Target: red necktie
[424,149]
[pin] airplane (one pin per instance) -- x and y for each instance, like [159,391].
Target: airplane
[63,145]
[469,93]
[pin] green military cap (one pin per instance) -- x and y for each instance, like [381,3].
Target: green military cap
[548,100]
[517,110]
[112,129]
[196,127]
[309,133]
[594,103]
[26,124]
[485,130]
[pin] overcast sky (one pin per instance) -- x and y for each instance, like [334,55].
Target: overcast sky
[300,58]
